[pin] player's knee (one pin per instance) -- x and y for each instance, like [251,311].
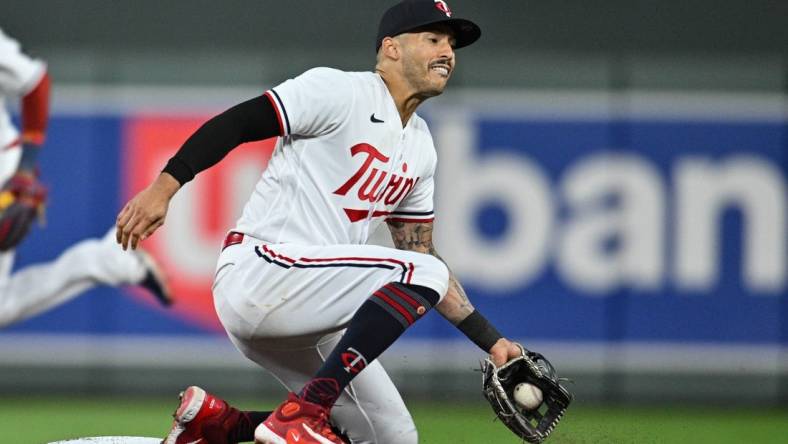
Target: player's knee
[435,275]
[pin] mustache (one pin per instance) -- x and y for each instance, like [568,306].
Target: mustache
[441,62]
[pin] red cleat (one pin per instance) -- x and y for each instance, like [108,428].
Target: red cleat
[201,418]
[297,422]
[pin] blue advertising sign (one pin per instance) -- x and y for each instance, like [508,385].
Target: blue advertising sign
[667,228]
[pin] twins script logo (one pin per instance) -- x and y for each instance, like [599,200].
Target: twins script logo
[443,6]
[372,189]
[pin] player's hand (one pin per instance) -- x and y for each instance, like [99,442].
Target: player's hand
[504,350]
[145,212]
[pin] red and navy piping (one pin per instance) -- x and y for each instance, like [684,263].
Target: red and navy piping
[367,262]
[281,113]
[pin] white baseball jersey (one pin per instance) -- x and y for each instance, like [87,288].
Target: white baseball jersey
[344,163]
[19,74]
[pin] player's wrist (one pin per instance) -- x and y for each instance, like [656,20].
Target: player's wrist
[167,184]
[480,331]
[178,170]
[28,161]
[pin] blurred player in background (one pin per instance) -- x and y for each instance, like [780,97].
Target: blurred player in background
[297,288]
[37,288]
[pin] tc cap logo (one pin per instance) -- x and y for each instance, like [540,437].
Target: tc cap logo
[353,360]
[443,7]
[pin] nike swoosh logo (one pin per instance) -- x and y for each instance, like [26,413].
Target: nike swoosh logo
[293,436]
[314,435]
[195,442]
[375,120]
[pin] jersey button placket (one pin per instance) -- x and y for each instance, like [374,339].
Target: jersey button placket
[396,158]
[400,151]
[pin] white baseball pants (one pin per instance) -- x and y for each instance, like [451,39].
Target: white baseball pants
[285,307]
[37,288]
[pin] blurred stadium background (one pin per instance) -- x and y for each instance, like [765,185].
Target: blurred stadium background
[612,192]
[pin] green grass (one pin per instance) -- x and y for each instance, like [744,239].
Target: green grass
[40,420]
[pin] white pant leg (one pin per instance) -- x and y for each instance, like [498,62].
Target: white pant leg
[290,290]
[369,411]
[284,307]
[86,264]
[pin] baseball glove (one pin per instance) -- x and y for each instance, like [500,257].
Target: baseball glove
[22,199]
[498,384]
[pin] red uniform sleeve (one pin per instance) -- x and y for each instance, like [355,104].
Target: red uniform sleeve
[35,112]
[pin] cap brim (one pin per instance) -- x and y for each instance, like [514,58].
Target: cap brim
[465,31]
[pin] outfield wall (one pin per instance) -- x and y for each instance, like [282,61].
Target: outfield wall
[631,236]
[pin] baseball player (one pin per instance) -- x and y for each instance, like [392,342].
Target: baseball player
[37,288]
[296,287]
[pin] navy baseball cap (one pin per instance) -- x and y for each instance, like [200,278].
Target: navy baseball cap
[408,15]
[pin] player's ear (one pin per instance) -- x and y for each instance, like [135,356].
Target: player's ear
[391,48]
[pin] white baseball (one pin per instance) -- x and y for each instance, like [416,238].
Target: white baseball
[527,396]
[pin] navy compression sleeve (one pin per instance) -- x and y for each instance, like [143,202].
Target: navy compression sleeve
[252,120]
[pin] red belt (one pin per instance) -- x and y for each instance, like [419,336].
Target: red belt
[232,238]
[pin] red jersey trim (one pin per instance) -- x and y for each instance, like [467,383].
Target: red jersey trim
[35,112]
[271,99]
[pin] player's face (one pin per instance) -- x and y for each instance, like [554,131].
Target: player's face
[428,60]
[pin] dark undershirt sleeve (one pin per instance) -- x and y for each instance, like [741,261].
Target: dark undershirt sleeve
[249,121]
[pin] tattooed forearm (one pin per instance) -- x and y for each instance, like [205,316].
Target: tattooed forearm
[418,237]
[410,236]
[455,306]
